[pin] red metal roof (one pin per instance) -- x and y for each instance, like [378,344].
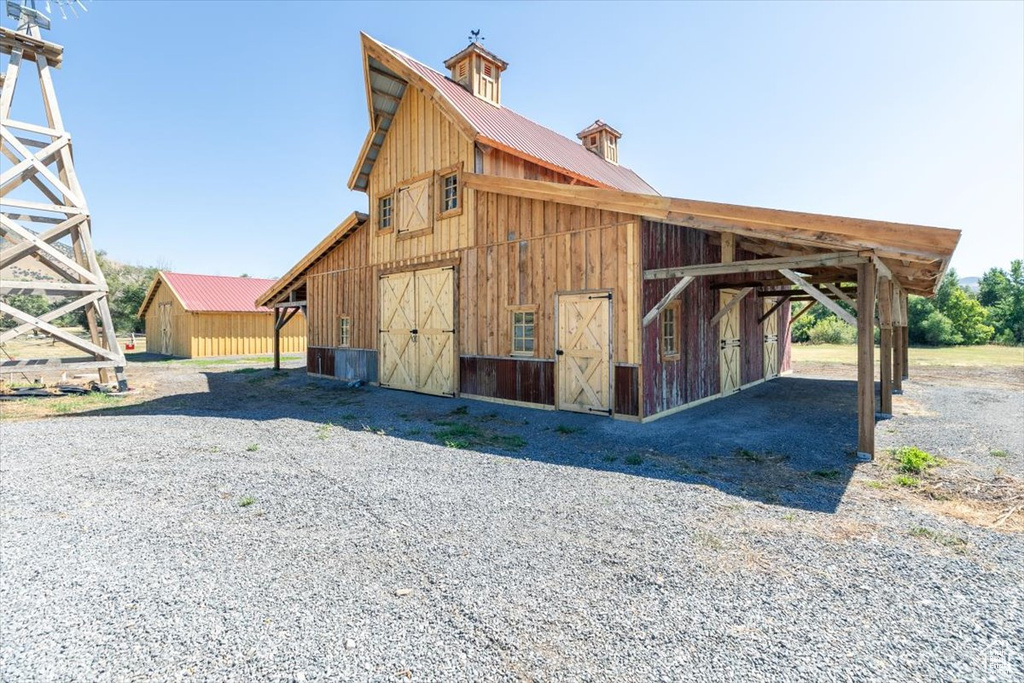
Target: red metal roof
[218,293]
[506,127]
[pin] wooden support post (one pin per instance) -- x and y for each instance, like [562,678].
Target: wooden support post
[865,361]
[277,338]
[899,322]
[906,337]
[885,345]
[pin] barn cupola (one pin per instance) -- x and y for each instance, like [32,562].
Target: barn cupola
[478,71]
[602,140]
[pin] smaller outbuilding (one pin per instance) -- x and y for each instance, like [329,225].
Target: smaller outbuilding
[199,316]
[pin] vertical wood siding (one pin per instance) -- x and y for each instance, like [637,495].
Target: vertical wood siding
[512,379]
[205,335]
[627,390]
[752,348]
[696,374]
[421,140]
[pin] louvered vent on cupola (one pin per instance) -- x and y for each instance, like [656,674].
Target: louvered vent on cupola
[478,71]
[602,140]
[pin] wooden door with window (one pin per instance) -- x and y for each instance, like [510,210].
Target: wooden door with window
[166,336]
[584,352]
[771,341]
[417,331]
[729,344]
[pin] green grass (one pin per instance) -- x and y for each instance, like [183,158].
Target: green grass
[957,543]
[323,432]
[634,460]
[568,429]
[906,480]
[464,435]
[971,356]
[246,501]
[65,405]
[831,475]
[913,460]
[998,453]
[461,410]
[253,447]
[608,458]
[709,540]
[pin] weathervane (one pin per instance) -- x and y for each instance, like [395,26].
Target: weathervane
[474,36]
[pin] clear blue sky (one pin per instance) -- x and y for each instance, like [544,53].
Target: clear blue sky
[217,137]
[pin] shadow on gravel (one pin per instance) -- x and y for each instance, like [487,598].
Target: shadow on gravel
[789,442]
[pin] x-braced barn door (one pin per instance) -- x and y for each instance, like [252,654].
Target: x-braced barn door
[729,343]
[584,352]
[771,341]
[417,332]
[166,342]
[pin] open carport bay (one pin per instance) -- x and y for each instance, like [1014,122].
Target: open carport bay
[252,524]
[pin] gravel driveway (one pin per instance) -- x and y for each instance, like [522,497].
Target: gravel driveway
[253,525]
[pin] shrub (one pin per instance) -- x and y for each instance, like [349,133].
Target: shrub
[913,460]
[832,331]
[937,330]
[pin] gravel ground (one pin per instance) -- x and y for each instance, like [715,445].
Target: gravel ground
[257,526]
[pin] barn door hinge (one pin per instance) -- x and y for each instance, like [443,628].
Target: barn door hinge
[451,331]
[601,296]
[600,410]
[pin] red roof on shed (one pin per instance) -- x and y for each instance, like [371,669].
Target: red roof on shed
[217,293]
[506,127]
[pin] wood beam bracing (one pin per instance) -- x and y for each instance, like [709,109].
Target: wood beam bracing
[771,311]
[841,312]
[759,265]
[45,168]
[676,290]
[799,314]
[733,302]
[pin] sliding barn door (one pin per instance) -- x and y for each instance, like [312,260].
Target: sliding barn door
[771,341]
[397,322]
[435,336]
[583,355]
[729,343]
[417,333]
[166,333]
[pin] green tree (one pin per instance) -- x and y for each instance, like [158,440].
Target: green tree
[33,304]
[968,317]
[1008,313]
[993,287]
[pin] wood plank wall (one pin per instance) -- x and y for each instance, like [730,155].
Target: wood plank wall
[752,331]
[497,162]
[242,334]
[696,374]
[421,140]
[531,249]
[181,324]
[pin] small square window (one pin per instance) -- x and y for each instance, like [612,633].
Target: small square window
[385,212]
[344,331]
[524,329]
[670,332]
[449,192]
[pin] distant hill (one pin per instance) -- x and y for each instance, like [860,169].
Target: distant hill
[972,283]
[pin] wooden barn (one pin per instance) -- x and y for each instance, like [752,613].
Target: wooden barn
[198,316]
[502,261]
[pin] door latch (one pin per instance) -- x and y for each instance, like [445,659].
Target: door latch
[559,352]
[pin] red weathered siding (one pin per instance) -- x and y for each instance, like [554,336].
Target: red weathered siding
[320,361]
[627,390]
[752,346]
[695,375]
[513,379]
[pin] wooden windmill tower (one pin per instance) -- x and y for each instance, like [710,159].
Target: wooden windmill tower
[44,217]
